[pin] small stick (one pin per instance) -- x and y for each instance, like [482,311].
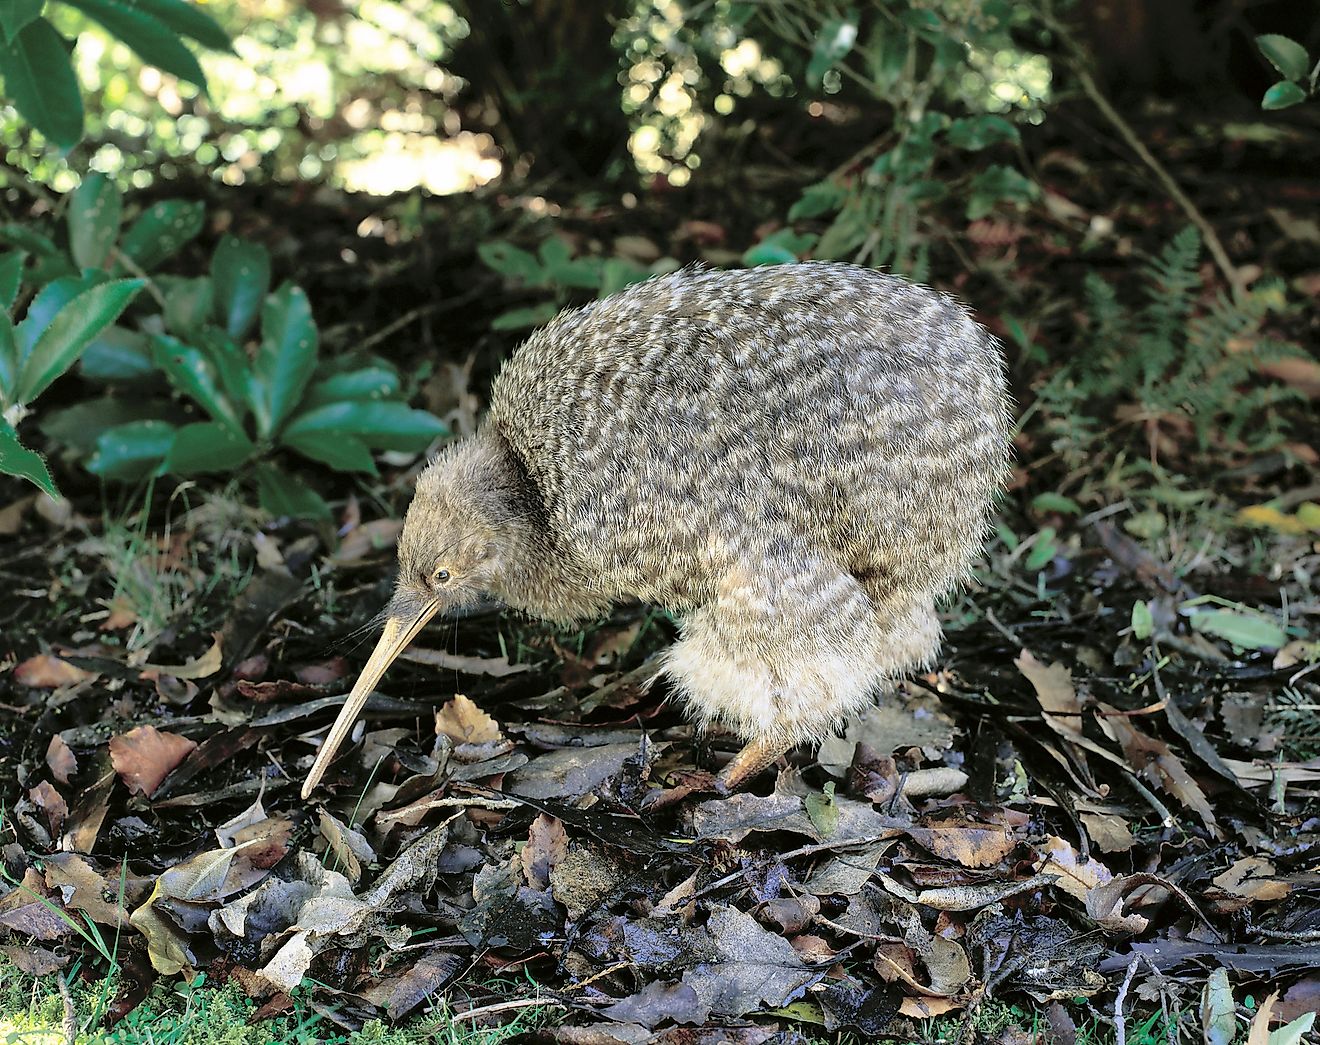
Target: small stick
[1120,1024]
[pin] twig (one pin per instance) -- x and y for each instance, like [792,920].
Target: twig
[70,1013]
[408,318]
[1098,99]
[1120,1024]
[141,274]
[519,1003]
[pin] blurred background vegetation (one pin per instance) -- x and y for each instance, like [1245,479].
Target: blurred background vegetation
[1113,185]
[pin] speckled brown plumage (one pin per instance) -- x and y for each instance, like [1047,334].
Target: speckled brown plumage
[796,461]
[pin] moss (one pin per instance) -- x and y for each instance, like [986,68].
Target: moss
[199,1013]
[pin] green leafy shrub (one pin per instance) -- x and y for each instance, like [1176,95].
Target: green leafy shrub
[554,268]
[61,322]
[241,360]
[1176,361]
[917,60]
[36,60]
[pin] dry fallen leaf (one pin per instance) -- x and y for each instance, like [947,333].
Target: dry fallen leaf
[51,802]
[367,539]
[60,759]
[48,672]
[967,844]
[144,756]
[1055,692]
[496,667]
[547,845]
[465,723]
[1252,878]
[198,668]
[1153,760]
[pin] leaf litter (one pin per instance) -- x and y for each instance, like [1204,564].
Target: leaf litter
[1052,813]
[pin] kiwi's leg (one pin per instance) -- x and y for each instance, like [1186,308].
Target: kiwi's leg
[749,762]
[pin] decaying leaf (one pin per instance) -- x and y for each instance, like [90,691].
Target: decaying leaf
[60,759]
[496,667]
[104,895]
[547,845]
[889,726]
[1153,760]
[347,849]
[1252,878]
[144,756]
[52,803]
[201,667]
[413,981]
[1218,1010]
[734,818]
[49,672]
[465,723]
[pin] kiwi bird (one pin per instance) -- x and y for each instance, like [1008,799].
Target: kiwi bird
[796,461]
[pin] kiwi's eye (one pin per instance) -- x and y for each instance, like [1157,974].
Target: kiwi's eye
[441,577]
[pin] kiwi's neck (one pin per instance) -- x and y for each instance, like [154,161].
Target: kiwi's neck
[539,574]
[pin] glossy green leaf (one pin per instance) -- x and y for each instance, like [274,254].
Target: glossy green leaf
[617,273]
[285,359]
[978,132]
[1055,502]
[39,80]
[1286,55]
[187,303]
[72,331]
[822,810]
[188,20]
[132,451]
[8,362]
[372,382]
[824,197]
[833,42]
[998,184]
[240,272]
[1043,551]
[230,362]
[1283,96]
[343,453]
[206,448]
[49,303]
[117,354]
[17,459]
[511,262]
[283,495]
[79,426]
[779,248]
[193,373]
[161,230]
[28,239]
[15,14]
[382,425]
[95,212]
[527,316]
[11,277]
[1248,631]
[768,254]
[150,39]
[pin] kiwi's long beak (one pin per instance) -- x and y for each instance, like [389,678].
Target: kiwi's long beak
[399,631]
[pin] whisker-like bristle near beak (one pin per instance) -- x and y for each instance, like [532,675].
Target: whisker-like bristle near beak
[399,631]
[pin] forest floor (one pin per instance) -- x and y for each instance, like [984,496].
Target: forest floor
[1095,820]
